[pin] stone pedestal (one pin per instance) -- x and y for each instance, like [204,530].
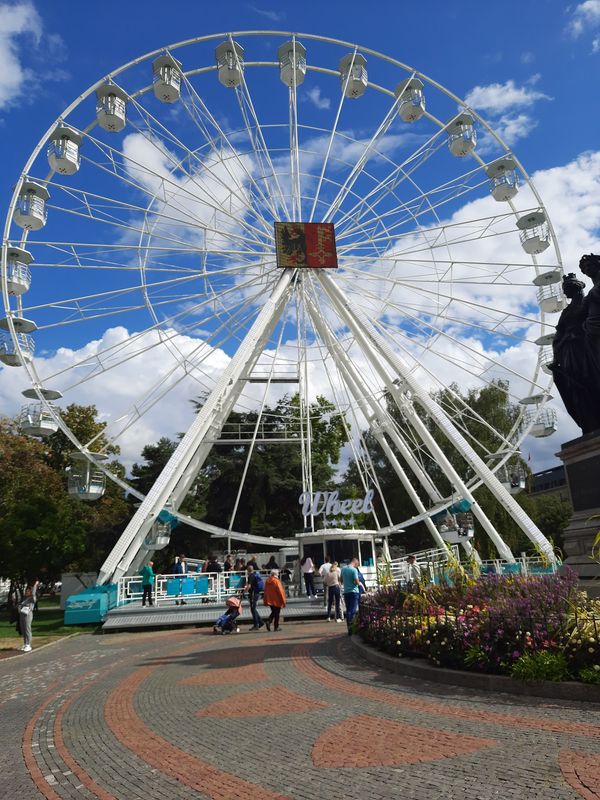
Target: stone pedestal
[581,458]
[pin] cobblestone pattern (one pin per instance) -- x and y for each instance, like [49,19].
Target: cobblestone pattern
[293,715]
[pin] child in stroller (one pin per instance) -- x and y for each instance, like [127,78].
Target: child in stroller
[227,621]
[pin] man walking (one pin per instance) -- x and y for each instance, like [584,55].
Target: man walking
[254,586]
[350,581]
[147,574]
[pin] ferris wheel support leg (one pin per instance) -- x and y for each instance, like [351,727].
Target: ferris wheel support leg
[189,455]
[366,401]
[374,344]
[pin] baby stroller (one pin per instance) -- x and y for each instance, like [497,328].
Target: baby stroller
[227,621]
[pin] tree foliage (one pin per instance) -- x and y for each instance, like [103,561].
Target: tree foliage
[43,531]
[493,412]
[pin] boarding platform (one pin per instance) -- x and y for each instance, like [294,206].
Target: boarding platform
[134,617]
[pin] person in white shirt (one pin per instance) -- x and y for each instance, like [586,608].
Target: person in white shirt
[413,572]
[308,572]
[323,570]
[332,582]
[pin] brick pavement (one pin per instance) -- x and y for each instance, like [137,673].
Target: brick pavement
[293,715]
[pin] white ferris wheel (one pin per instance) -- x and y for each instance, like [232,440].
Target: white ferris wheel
[142,231]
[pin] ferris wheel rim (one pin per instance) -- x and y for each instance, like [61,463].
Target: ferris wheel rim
[147,56]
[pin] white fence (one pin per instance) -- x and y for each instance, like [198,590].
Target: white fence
[214,587]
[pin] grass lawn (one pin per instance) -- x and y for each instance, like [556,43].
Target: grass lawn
[47,627]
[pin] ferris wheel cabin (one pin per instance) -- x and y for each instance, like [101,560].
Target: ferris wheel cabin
[292,63]
[230,63]
[411,101]
[13,355]
[504,181]
[353,75]
[549,294]
[30,211]
[63,150]
[167,79]
[111,103]
[85,481]
[462,136]
[18,274]
[534,233]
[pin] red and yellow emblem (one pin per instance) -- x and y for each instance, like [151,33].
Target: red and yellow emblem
[305,244]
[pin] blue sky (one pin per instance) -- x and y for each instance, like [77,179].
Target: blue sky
[530,70]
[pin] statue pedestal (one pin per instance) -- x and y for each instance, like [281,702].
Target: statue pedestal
[581,458]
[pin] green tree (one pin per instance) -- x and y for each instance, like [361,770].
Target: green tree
[493,412]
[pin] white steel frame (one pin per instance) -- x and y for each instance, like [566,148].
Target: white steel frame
[327,316]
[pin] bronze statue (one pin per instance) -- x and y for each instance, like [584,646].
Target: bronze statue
[576,348]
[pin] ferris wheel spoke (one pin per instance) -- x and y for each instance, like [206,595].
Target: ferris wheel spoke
[76,255]
[428,327]
[464,411]
[360,164]
[401,172]
[331,139]
[111,350]
[165,133]
[173,193]
[96,207]
[259,145]
[199,113]
[439,235]
[190,366]
[110,293]
[481,308]
[416,205]
[361,455]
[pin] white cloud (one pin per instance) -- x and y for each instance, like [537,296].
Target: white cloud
[314,96]
[22,36]
[596,45]
[274,16]
[15,22]
[498,98]
[585,15]
[507,106]
[527,57]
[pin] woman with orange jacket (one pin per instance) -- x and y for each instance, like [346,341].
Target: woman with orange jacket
[274,597]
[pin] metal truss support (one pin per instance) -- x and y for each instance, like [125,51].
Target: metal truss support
[180,471]
[377,350]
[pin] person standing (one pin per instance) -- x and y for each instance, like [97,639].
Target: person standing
[413,574]
[26,607]
[274,598]
[252,562]
[147,574]
[254,586]
[332,583]
[350,582]
[308,572]
[228,565]
[323,570]
[180,567]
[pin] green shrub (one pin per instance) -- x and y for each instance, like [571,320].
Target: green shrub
[590,675]
[542,666]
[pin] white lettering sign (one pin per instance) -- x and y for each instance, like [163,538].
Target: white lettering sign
[329,503]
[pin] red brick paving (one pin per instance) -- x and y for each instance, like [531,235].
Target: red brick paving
[582,772]
[251,673]
[364,741]
[199,775]
[305,664]
[394,736]
[274,701]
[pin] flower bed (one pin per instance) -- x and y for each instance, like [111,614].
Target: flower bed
[533,628]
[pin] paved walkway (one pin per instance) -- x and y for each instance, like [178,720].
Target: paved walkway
[293,714]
